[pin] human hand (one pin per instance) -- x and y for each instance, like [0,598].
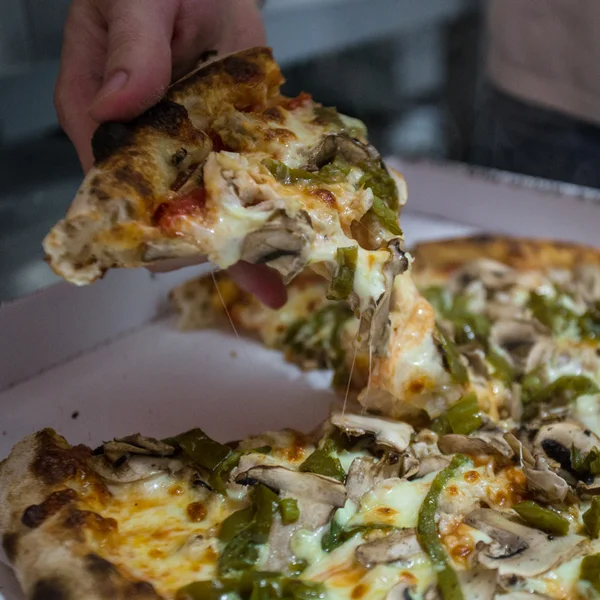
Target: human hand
[119,57]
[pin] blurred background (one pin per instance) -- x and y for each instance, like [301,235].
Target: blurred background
[413,70]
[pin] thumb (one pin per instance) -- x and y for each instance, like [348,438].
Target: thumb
[138,58]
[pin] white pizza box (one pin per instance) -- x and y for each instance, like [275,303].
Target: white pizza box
[107,360]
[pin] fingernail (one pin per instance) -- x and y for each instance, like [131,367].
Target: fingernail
[111,85]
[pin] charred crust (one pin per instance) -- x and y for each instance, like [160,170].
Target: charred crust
[134,179]
[50,589]
[112,582]
[10,542]
[55,461]
[109,138]
[167,116]
[36,514]
[98,566]
[178,157]
[242,70]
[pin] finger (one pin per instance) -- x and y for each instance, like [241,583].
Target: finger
[260,281]
[138,58]
[80,75]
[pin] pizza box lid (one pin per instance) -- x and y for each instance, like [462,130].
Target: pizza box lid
[107,360]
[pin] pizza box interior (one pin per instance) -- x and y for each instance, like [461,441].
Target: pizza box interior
[108,360]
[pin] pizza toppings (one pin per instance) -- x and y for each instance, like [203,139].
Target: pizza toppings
[428,535]
[517,550]
[394,435]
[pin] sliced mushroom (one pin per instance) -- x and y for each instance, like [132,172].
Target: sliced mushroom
[517,338]
[312,516]
[282,243]
[365,473]
[478,584]
[410,465]
[587,490]
[481,442]
[514,403]
[340,144]
[138,444]
[431,464]
[300,485]
[493,274]
[556,440]
[400,545]
[391,434]
[476,357]
[545,483]
[517,550]
[130,468]
[519,449]
[374,328]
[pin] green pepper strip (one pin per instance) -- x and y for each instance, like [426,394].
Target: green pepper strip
[288,509]
[201,449]
[585,465]
[336,536]
[464,417]
[343,282]
[288,175]
[542,518]
[322,463]
[457,370]
[591,518]
[245,529]
[386,216]
[428,535]
[564,390]
[253,586]
[590,570]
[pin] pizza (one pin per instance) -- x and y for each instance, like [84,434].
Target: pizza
[364,507]
[227,168]
[475,316]
[494,496]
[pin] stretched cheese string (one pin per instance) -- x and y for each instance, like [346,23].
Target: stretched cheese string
[237,335]
[349,380]
[368,388]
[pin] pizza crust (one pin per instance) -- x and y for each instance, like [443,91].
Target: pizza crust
[44,532]
[439,258]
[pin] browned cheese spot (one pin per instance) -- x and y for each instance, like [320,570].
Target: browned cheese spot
[326,196]
[196,512]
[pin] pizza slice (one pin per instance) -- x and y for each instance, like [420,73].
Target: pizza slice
[363,507]
[226,167]
[488,318]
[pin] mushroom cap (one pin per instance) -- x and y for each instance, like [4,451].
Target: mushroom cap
[395,435]
[556,440]
[321,489]
[519,550]
[397,546]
